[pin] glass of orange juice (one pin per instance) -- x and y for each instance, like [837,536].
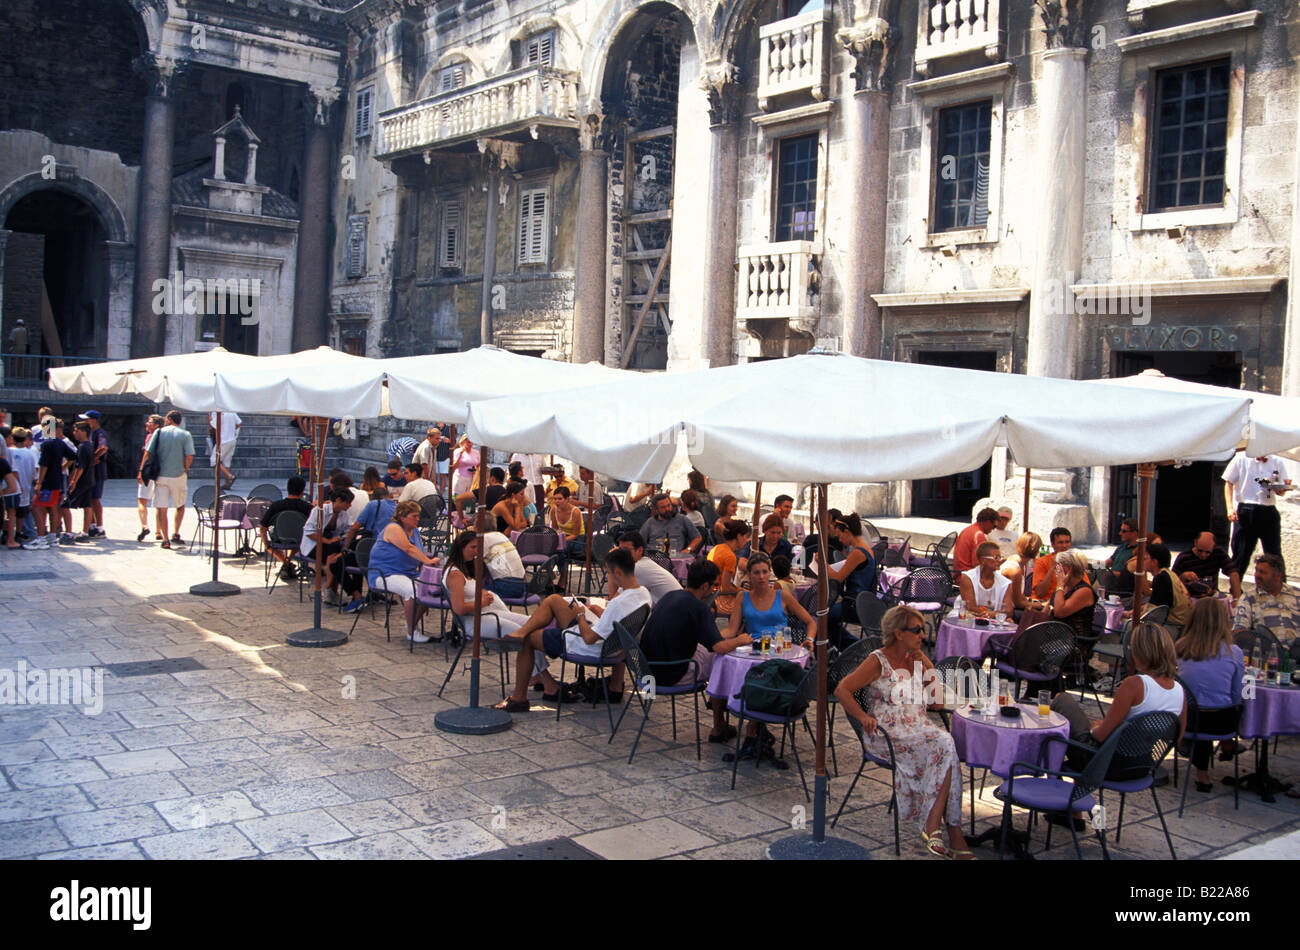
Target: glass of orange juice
[1044,703]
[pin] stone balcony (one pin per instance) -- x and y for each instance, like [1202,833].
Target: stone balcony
[793,57]
[521,101]
[779,281]
[957,27]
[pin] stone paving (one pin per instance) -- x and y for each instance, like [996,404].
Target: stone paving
[273,751]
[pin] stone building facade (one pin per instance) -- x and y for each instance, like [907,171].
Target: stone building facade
[1066,188]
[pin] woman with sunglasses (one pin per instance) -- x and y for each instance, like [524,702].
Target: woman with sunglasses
[928,775]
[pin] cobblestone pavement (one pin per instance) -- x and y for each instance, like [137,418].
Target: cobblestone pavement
[265,750]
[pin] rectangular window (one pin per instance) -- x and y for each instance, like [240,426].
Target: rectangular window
[451,235]
[1191,137]
[534,231]
[365,112]
[452,77]
[796,189]
[352,338]
[539,49]
[961,183]
[356,246]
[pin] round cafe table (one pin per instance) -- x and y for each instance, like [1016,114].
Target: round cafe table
[729,669]
[891,579]
[963,638]
[1114,615]
[996,743]
[1270,711]
[681,562]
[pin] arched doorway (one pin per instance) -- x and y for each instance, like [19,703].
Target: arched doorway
[640,94]
[56,279]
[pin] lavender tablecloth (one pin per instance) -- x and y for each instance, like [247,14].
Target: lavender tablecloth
[891,578]
[998,743]
[680,566]
[729,670]
[1272,711]
[963,638]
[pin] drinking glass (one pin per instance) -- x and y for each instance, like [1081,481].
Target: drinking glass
[1001,617]
[766,642]
[1004,695]
[1044,703]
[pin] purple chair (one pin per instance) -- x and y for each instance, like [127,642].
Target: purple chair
[1039,653]
[887,763]
[642,671]
[536,545]
[801,695]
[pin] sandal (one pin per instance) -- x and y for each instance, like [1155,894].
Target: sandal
[728,734]
[166,545]
[514,705]
[962,855]
[565,694]
[934,843]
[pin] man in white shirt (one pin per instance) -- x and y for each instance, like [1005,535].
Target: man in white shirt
[1001,536]
[1250,488]
[223,451]
[417,486]
[427,452]
[653,577]
[794,531]
[530,472]
[585,629]
[330,538]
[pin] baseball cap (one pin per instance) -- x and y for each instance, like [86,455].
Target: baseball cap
[89,414]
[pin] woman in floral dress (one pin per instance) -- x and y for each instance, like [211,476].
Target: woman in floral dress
[928,776]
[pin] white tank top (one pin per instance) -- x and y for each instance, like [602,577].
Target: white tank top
[986,596]
[1155,698]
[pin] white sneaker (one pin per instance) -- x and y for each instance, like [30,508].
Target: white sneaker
[37,544]
[418,638]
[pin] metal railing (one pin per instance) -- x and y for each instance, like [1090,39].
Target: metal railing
[27,370]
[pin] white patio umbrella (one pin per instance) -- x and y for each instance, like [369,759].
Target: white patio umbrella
[439,386]
[322,383]
[145,377]
[1274,427]
[831,417]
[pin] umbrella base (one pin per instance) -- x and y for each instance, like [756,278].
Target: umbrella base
[316,637]
[804,848]
[473,720]
[215,589]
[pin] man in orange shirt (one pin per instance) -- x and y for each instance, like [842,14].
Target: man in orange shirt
[971,537]
[1045,566]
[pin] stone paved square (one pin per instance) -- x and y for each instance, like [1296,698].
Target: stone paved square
[260,754]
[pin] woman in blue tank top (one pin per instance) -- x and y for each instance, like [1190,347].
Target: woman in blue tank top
[395,563]
[764,606]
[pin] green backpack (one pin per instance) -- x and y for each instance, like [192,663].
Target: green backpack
[772,687]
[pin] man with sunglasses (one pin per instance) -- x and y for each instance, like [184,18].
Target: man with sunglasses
[1199,568]
[1121,578]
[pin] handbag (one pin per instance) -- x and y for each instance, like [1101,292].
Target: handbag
[772,687]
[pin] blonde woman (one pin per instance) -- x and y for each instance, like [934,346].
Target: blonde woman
[928,775]
[395,563]
[1212,667]
[1074,599]
[1020,569]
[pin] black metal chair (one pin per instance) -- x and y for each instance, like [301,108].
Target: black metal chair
[844,664]
[800,696]
[1116,654]
[926,590]
[361,566]
[1194,734]
[266,490]
[886,762]
[1039,654]
[611,654]
[871,610]
[660,558]
[286,537]
[870,532]
[1157,615]
[894,554]
[201,501]
[495,645]
[949,669]
[647,688]
[1143,744]
[1054,791]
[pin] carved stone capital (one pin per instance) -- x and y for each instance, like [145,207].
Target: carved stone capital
[321,100]
[721,82]
[159,72]
[593,133]
[1063,23]
[870,43]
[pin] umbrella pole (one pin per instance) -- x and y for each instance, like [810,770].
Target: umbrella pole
[1145,472]
[476,720]
[758,500]
[588,525]
[214,587]
[316,635]
[819,847]
[1024,521]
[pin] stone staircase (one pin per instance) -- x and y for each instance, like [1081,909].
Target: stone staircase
[267,450]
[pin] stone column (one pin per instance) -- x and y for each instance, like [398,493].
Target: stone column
[721,84]
[1053,329]
[589,276]
[865,184]
[154,203]
[494,201]
[1291,346]
[4,327]
[312,268]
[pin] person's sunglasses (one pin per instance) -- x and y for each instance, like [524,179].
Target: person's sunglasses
[913,629]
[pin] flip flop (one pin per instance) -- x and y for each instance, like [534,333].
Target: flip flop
[727,735]
[514,705]
[962,855]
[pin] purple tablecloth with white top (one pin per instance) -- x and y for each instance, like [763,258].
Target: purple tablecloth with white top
[729,669]
[963,638]
[1114,616]
[998,743]
[1272,711]
[892,578]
